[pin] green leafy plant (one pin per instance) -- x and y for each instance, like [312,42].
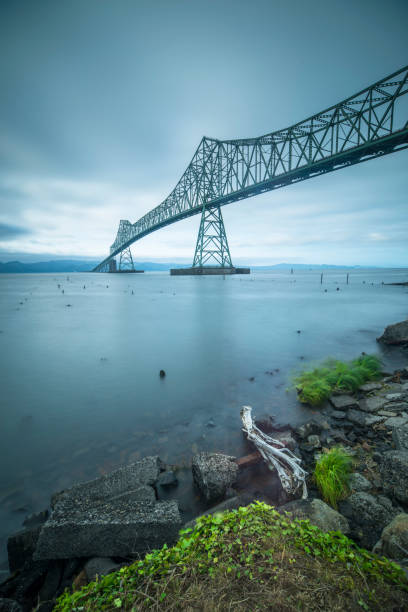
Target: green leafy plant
[316,385]
[244,560]
[332,475]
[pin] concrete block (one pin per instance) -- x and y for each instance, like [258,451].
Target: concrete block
[113,529]
[125,479]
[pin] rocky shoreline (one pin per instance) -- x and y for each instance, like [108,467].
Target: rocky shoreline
[98,526]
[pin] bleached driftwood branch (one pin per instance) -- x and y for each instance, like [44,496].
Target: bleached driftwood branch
[276,455]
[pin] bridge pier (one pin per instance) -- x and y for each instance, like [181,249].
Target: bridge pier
[126,264]
[212,255]
[211,270]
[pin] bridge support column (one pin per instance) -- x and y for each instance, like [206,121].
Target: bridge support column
[212,255]
[212,244]
[125,263]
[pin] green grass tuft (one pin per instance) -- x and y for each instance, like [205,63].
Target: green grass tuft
[315,386]
[332,475]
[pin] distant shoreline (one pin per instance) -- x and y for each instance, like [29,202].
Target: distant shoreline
[62,266]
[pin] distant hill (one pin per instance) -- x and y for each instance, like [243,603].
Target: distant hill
[86,265]
[74,265]
[59,265]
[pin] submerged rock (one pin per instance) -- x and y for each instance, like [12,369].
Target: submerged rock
[213,474]
[395,334]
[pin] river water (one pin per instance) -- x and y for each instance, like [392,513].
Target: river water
[81,354]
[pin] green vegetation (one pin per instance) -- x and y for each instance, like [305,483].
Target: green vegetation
[315,386]
[247,559]
[332,475]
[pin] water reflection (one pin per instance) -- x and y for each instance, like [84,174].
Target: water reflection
[81,391]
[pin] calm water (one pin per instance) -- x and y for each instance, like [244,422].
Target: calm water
[80,386]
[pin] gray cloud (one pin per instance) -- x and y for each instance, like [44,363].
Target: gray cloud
[102,105]
[12,231]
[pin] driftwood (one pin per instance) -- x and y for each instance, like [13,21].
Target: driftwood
[276,455]
[252,459]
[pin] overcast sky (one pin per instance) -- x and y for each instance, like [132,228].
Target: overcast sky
[103,102]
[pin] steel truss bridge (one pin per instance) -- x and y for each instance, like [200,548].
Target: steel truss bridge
[369,124]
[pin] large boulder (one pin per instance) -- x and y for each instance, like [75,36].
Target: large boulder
[394,539]
[394,474]
[319,514]
[367,517]
[213,474]
[395,334]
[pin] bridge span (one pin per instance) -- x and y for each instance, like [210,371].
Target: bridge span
[369,124]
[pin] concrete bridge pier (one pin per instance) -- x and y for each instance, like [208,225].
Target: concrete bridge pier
[212,255]
[211,270]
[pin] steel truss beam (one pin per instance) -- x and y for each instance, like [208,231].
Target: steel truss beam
[225,171]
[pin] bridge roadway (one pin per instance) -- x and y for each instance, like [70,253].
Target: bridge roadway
[225,171]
